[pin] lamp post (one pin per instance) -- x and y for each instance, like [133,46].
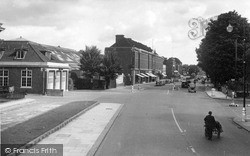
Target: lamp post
[230,29]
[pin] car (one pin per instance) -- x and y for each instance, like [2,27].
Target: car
[185,84]
[192,88]
[160,82]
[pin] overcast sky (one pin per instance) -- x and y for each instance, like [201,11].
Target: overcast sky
[159,24]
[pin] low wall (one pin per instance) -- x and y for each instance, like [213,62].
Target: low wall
[54,92]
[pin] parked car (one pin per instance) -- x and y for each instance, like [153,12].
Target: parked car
[192,88]
[185,84]
[160,83]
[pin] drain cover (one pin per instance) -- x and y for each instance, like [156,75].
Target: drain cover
[63,135]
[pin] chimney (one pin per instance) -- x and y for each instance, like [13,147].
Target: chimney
[118,38]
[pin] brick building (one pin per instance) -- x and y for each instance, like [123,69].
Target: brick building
[139,62]
[35,68]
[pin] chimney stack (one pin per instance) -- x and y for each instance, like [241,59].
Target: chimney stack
[118,38]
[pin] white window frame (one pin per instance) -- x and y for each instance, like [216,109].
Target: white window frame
[20,54]
[1,54]
[26,77]
[4,77]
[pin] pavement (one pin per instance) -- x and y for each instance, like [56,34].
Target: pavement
[236,106]
[81,136]
[84,135]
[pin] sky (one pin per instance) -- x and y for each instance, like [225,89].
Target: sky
[159,24]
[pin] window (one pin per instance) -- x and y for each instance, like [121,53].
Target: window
[4,77]
[26,78]
[48,54]
[1,53]
[20,54]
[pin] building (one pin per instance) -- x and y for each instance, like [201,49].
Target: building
[36,68]
[173,67]
[139,62]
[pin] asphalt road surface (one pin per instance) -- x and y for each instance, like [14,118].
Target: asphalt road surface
[159,121]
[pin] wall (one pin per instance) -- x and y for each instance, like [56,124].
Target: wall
[144,61]
[37,80]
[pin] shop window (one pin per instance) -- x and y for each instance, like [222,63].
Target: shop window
[26,78]
[4,77]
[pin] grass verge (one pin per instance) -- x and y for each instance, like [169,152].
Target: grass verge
[23,133]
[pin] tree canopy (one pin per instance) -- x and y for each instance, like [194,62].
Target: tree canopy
[112,65]
[217,51]
[190,69]
[91,59]
[94,63]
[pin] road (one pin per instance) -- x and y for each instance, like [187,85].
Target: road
[159,121]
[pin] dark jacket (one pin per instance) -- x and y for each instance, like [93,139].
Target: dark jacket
[209,121]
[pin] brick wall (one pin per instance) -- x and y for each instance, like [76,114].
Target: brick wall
[37,80]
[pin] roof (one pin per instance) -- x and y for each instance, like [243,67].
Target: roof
[36,52]
[128,42]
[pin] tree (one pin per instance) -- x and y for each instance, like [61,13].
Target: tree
[111,66]
[193,69]
[91,59]
[185,69]
[216,53]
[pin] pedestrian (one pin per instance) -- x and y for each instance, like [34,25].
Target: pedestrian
[226,91]
[209,124]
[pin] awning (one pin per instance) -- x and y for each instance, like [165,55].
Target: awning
[144,75]
[164,74]
[153,75]
[150,74]
[139,75]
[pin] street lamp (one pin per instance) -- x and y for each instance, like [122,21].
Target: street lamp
[230,29]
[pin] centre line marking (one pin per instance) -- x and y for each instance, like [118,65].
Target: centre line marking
[176,121]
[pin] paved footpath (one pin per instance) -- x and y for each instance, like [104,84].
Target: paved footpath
[18,111]
[238,110]
[83,135]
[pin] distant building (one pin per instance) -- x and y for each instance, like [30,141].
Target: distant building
[173,67]
[139,62]
[35,68]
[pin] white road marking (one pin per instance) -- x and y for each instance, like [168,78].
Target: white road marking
[192,149]
[182,131]
[176,121]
